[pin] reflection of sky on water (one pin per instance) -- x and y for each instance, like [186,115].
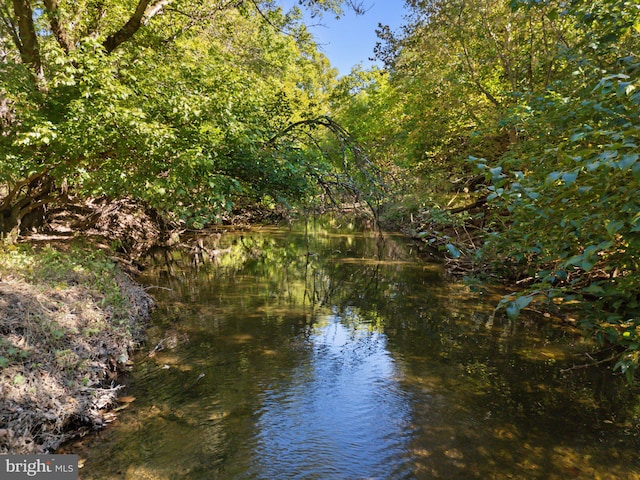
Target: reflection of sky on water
[341,415]
[407,377]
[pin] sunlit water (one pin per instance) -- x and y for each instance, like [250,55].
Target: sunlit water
[331,354]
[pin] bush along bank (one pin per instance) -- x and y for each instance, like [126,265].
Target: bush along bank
[68,322]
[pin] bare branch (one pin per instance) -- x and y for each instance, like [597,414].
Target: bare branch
[357,6]
[266,19]
[361,177]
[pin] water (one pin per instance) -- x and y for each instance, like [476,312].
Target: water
[324,353]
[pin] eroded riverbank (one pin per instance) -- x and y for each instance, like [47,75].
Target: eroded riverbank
[68,322]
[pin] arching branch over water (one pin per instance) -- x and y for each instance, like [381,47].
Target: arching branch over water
[356,175]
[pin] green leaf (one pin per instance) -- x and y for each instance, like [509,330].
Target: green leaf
[523,302]
[496,172]
[577,136]
[513,311]
[626,366]
[455,253]
[593,166]
[584,261]
[552,177]
[570,177]
[608,155]
[593,289]
[614,227]
[627,161]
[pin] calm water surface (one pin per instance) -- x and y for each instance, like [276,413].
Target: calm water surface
[324,353]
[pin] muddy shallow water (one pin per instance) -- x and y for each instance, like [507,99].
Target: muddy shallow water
[325,353]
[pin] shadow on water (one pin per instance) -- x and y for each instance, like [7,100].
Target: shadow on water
[326,353]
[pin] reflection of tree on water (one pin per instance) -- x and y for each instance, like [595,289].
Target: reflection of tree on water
[484,392]
[318,267]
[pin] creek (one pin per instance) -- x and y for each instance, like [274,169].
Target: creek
[325,352]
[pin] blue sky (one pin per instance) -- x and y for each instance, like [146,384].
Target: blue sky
[350,40]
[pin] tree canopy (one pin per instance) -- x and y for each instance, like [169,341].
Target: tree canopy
[169,102]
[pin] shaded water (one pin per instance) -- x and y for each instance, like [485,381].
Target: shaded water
[337,355]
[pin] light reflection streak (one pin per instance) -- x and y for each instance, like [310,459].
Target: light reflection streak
[340,415]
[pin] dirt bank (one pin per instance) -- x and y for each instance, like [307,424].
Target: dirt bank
[68,322]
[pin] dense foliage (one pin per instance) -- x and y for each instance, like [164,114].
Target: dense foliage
[571,184]
[172,103]
[542,100]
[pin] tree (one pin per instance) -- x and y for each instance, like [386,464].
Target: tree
[169,101]
[571,185]
[456,69]
[541,99]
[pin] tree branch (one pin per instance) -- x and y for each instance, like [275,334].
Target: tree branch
[10,26]
[14,191]
[460,22]
[56,27]
[156,9]
[28,44]
[139,18]
[477,203]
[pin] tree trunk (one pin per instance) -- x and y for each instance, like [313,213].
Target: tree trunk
[140,17]
[25,206]
[28,41]
[56,26]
